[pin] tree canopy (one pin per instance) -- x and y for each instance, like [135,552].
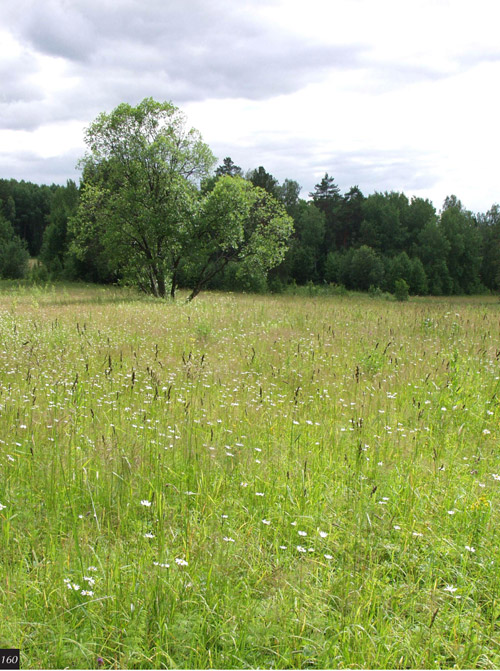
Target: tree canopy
[141,203]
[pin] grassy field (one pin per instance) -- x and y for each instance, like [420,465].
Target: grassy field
[249,481]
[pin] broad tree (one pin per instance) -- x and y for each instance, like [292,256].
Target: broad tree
[236,222]
[139,190]
[141,203]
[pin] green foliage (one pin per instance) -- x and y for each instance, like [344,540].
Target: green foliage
[366,268]
[418,279]
[401,290]
[400,267]
[14,255]
[139,196]
[489,229]
[332,267]
[382,228]
[26,206]
[264,180]
[140,222]
[238,222]
[464,247]
[229,169]
[305,250]
[140,203]
[433,250]
[38,273]
[63,206]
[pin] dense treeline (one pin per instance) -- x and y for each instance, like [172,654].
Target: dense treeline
[347,239]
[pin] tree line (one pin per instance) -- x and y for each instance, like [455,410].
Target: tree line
[152,211]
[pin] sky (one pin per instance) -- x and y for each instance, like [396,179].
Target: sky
[388,95]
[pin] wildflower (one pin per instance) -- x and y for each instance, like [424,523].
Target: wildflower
[495,476]
[228,539]
[259,493]
[302,533]
[301,549]
[266,522]
[397,528]
[155,563]
[146,503]
[450,588]
[470,548]
[2,506]
[181,562]
[451,512]
[91,568]
[282,547]
[87,592]
[328,556]
[90,581]
[416,533]
[323,534]
[149,535]
[486,432]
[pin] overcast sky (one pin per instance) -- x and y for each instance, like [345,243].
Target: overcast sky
[384,94]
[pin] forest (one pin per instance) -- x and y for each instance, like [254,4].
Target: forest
[352,240]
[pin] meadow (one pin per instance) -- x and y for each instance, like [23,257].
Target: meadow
[248,481]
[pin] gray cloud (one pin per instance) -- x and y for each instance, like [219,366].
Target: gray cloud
[32,168]
[298,159]
[177,51]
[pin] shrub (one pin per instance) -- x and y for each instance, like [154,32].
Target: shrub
[401,290]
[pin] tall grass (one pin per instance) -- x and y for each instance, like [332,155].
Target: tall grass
[283,482]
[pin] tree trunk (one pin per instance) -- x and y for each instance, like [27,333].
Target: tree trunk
[161,286]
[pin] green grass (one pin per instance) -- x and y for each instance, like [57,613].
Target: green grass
[248,482]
